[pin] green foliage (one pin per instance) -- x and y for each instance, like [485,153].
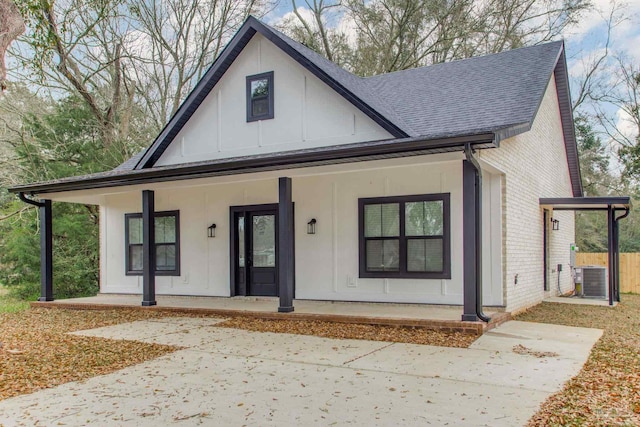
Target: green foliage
[64,142]
[597,180]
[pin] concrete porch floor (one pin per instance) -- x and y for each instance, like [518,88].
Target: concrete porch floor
[416,315]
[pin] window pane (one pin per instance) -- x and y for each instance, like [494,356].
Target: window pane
[424,255]
[264,241]
[135,230]
[135,258]
[165,229]
[424,218]
[259,106]
[372,221]
[259,88]
[241,242]
[165,257]
[390,220]
[383,255]
[382,220]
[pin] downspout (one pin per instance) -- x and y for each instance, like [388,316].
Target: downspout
[24,198]
[468,152]
[616,232]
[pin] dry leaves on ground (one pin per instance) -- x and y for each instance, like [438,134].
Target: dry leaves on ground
[607,390]
[354,331]
[36,351]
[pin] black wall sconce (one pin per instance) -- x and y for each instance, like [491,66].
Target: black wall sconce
[555,224]
[211,231]
[311,226]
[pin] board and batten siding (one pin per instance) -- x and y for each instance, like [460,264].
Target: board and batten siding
[308,113]
[534,165]
[327,262]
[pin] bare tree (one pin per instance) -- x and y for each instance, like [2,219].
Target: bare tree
[11,26]
[173,42]
[131,62]
[394,35]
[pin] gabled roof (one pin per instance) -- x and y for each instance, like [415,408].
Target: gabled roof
[497,95]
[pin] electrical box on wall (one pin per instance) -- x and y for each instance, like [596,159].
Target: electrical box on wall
[572,254]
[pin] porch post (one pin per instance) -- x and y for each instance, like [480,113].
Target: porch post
[148,249]
[46,251]
[285,245]
[469,233]
[611,249]
[616,257]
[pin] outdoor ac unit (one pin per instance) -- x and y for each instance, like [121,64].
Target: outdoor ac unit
[594,281]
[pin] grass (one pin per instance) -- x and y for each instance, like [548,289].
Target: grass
[606,392]
[9,303]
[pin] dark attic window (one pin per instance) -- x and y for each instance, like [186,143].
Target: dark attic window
[260,97]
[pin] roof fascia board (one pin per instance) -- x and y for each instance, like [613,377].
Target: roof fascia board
[220,66]
[315,70]
[568,127]
[274,162]
[197,95]
[614,200]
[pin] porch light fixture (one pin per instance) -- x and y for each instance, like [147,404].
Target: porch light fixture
[555,224]
[311,226]
[211,231]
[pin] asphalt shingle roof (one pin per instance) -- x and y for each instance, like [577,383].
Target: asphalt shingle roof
[495,94]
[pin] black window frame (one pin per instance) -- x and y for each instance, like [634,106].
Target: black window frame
[269,114]
[127,245]
[402,272]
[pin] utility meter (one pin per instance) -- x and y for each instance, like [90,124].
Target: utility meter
[572,254]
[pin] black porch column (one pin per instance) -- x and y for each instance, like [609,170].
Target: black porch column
[285,246]
[148,249]
[616,257]
[470,233]
[46,251]
[611,249]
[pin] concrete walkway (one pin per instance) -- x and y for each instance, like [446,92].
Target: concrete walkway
[231,377]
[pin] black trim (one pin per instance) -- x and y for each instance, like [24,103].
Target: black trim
[237,289]
[402,273]
[545,248]
[129,272]
[222,64]
[566,118]
[249,100]
[371,150]
[585,202]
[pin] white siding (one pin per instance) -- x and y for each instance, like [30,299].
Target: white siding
[535,165]
[327,262]
[308,113]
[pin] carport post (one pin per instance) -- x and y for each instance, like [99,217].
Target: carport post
[148,249]
[46,251]
[611,248]
[285,245]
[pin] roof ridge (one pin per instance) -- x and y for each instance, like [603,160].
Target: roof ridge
[471,58]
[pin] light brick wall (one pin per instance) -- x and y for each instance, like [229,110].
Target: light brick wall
[535,165]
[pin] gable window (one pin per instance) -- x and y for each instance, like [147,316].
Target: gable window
[167,226]
[405,237]
[260,97]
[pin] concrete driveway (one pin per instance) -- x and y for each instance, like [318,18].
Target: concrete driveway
[229,377]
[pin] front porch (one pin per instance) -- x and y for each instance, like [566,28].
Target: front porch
[441,317]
